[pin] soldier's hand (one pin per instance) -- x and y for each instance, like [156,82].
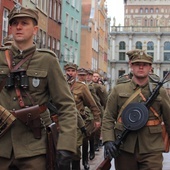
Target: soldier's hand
[64,157]
[97,125]
[83,131]
[110,150]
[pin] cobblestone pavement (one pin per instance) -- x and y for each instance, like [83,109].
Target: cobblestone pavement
[99,158]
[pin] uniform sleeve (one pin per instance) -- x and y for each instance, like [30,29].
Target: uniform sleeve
[102,93]
[110,117]
[90,103]
[166,109]
[64,102]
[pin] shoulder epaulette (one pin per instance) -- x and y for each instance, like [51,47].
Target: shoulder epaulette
[47,51]
[81,82]
[5,48]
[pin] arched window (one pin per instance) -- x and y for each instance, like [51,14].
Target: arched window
[122,50]
[122,45]
[138,45]
[167,51]
[150,48]
[141,10]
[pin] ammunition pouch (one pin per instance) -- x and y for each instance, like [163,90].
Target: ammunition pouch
[30,116]
[6,120]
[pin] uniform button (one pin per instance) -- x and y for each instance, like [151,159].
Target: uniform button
[13,109]
[36,73]
[14,98]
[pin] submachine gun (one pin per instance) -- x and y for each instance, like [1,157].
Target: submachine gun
[134,117]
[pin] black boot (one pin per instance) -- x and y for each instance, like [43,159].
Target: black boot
[92,152]
[76,165]
[85,154]
[64,167]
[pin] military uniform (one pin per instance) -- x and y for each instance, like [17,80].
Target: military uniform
[145,143]
[83,100]
[45,82]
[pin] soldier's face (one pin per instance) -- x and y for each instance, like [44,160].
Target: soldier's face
[23,30]
[71,72]
[81,77]
[89,77]
[141,69]
[95,77]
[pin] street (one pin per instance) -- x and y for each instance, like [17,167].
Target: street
[99,158]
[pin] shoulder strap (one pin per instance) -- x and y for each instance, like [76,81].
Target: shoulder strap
[151,108]
[137,92]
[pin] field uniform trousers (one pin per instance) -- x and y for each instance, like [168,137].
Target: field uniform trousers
[136,161]
[30,163]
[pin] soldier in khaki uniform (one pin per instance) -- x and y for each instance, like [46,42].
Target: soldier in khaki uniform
[142,149]
[102,94]
[29,79]
[82,98]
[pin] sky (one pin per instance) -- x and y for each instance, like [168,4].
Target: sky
[116,9]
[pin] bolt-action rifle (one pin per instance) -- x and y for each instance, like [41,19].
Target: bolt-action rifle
[129,119]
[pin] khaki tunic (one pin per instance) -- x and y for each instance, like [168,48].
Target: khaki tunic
[84,98]
[148,138]
[46,81]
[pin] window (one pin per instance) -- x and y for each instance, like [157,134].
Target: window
[72,29]
[77,30]
[167,51]
[59,13]
[50,8]
[44,40]
[150,48]
[122,45]
[73,3]
[151,10]
[146,10]
[55,11]
[49,42]
[138,45]
[122,52]
[54,45]
[141,10]
[157,10]
[5,23]
[121,72]
[146,23]
[66,25]
[150,45]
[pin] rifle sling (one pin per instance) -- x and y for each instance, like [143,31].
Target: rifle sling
[137,92]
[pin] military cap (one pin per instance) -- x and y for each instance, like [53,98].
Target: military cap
[139,56]
[19,11]
[89,71]
[70,65]
[82,71]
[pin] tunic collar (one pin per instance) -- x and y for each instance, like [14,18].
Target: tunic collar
[22,54]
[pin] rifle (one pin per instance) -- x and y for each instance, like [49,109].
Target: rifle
[105,165]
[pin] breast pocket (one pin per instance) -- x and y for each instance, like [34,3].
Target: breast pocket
[37,79]
[122,98]
[3,72]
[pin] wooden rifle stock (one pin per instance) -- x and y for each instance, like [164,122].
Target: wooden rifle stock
[105,165]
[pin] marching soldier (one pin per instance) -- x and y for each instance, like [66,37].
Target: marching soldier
[102,95]
[141,149]
[29,79]
[82,98]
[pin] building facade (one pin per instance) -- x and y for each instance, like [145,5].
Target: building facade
[146,26]
[70,32]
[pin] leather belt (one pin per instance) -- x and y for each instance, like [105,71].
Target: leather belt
[153,122]
[149,122]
